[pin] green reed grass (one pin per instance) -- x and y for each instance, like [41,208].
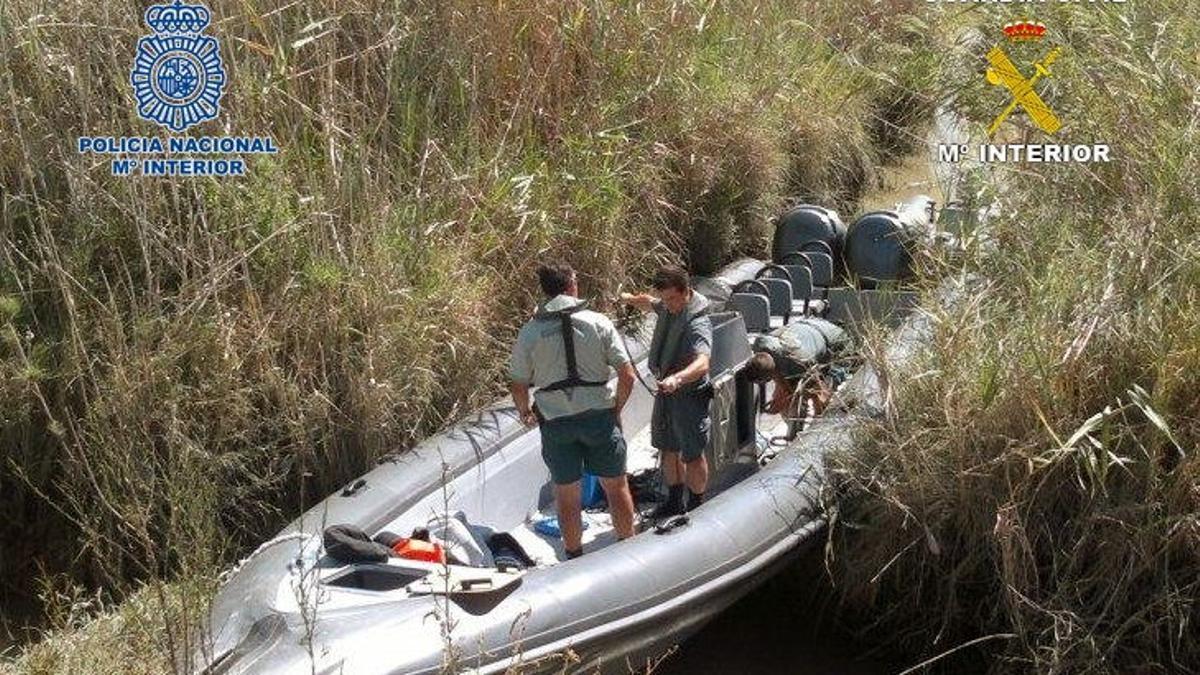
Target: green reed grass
[186,364]
[1035,483]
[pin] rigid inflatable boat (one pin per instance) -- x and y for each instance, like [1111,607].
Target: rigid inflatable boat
[291,608]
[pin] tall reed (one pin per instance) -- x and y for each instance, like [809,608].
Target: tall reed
[187,362]
[1034,487]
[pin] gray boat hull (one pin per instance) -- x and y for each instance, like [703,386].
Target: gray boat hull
[612,609]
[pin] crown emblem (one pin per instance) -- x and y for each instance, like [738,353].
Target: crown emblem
[177,76]
[177,18]
[1024,31]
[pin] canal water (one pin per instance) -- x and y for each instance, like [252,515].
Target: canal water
[781,628]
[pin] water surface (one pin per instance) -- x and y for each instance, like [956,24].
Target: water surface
[773,631]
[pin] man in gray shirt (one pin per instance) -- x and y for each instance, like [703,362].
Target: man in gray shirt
[565,351]
[679,358]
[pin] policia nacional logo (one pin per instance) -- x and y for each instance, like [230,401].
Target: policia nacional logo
[177,75]
[178,80]
[1003,72]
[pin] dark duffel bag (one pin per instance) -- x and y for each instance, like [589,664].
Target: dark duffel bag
[348,544]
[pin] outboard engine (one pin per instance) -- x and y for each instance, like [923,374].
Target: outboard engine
[879,244]
[807,223]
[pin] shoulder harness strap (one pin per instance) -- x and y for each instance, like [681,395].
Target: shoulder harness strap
[568,338]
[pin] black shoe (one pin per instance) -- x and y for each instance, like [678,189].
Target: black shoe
[673,506]
[666,509]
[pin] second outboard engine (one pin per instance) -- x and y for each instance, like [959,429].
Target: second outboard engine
[879,245]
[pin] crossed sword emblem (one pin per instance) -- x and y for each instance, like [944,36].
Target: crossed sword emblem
[1003,72]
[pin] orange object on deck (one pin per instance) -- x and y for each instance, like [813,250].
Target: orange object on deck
[417,549]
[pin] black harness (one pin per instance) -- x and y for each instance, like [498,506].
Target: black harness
[568,338]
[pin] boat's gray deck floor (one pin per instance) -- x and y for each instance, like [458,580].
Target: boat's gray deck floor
[598,529]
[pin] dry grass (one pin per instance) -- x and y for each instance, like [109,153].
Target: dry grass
[140,636]
[1035,484]
[185,363]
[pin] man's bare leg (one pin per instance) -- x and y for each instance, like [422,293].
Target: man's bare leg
[822,393]
[672,467]
[697,475]
[620,504]
[570,519]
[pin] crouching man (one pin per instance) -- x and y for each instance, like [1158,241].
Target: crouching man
[679,359]
[565,351]
[799,358]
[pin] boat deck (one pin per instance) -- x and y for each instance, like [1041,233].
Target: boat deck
[640,456]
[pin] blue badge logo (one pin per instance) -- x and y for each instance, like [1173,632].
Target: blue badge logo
[177,75]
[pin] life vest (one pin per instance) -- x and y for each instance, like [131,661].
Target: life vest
[667,356]
[418,549]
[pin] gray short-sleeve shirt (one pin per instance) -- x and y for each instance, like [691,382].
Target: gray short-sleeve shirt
[539,358]
[697,336]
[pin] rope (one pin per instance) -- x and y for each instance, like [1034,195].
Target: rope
[653,391]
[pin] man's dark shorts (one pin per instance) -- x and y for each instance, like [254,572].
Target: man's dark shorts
[590,441]
[680,423]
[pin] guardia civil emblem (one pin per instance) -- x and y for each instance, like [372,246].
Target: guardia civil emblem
[1003,72]
[177,75]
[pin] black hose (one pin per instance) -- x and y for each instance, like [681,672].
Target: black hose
[636,371]
[653,391]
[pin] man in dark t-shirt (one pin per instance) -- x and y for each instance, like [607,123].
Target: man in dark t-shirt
[679,359]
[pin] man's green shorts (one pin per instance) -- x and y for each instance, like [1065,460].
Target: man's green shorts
[589,441]
[681,423]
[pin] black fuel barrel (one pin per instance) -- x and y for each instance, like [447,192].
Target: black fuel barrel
[805,223]
[880,244]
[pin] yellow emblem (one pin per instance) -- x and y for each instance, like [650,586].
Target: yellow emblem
[1004,72]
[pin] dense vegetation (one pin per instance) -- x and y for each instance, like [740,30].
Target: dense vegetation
[1036,486]
[184,363]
